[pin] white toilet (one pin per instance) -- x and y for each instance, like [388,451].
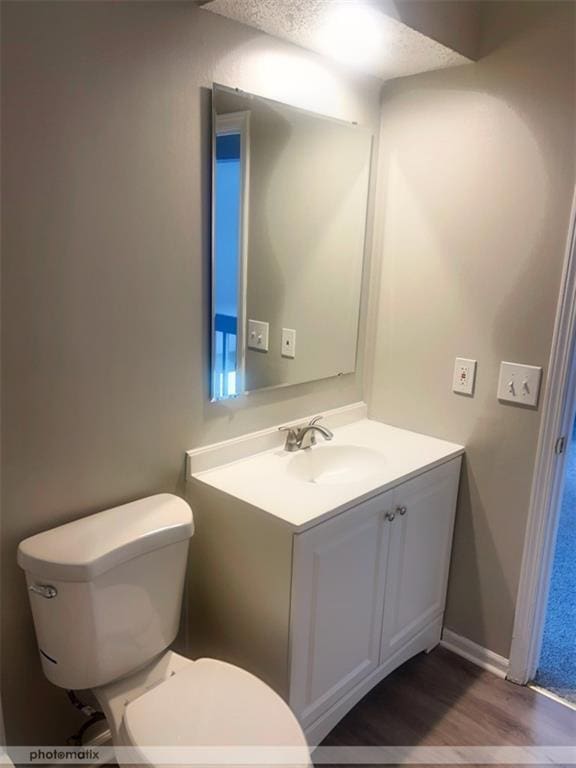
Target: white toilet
[106,593]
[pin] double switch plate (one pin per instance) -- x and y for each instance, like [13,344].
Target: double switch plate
[519,383]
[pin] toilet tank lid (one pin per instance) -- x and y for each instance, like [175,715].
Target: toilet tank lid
[86,548]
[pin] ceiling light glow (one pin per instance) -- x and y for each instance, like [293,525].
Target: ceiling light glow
[353,33]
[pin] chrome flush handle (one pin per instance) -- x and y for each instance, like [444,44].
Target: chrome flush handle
[44,590]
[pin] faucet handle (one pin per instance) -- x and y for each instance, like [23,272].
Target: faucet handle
[291,438]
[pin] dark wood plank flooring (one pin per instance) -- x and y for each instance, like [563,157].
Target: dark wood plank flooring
[443,700]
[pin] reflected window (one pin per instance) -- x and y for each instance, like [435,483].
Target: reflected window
[227,207]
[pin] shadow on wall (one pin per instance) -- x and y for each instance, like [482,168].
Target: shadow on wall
[473,554]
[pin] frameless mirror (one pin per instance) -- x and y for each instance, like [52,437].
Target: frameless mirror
[289,199]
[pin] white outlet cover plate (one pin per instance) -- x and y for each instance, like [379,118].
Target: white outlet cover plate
[464,376]
[258,333]
[519,383]
[288,342]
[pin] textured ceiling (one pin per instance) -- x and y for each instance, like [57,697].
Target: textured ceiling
[383,46]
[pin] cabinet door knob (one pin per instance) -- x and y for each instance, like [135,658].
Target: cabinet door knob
[390,516]
[401,510]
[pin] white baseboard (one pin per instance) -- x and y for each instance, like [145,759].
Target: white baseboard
[477,654]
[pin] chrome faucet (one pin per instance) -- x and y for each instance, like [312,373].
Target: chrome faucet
[304,435]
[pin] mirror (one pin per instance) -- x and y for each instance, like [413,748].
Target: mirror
[289,200]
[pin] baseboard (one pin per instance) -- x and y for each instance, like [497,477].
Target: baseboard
[477,654]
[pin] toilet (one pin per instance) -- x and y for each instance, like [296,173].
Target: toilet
[106,594]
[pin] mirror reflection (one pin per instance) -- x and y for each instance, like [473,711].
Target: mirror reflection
[290,193]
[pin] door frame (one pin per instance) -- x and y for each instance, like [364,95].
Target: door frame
[558,411]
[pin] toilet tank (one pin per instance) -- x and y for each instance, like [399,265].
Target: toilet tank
[106,590]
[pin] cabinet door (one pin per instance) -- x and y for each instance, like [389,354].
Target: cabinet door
[419,555]
[337,603]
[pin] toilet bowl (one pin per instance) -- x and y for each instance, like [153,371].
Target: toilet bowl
[106,594]
[177,702]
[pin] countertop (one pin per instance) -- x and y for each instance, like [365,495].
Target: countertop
[265,481]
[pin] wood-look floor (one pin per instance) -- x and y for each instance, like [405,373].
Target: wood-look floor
[443,700]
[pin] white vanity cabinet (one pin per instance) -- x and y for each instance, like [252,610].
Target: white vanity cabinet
[323,610]
[418,555]
[338,587]
[365,584]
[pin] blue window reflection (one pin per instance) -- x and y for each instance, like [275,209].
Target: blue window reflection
[226,265]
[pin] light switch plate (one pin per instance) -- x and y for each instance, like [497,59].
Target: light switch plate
[519,383]
[258,333]
[288,342]
[464,376]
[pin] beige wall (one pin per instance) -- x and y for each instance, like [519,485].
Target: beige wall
[477,173]
[106,218]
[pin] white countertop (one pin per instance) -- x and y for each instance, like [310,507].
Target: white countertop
[264,480]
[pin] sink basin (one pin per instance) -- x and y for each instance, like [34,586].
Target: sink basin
[335,464]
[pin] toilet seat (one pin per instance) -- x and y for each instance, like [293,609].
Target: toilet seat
[211,703]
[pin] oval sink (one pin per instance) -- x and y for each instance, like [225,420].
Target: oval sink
[335,464]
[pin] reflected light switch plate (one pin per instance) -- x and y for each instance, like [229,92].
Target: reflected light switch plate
[519,383]
[288,342]
[258,335]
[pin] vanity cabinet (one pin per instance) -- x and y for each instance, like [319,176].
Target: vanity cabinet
[337,605]
[420,544]
[323,614]
[366,583]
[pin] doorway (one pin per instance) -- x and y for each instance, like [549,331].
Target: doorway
[557,664]
[539,640]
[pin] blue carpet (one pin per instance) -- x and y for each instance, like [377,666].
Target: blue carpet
[557,670]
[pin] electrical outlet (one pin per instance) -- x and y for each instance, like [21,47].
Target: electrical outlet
[288,342]
[464,376]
